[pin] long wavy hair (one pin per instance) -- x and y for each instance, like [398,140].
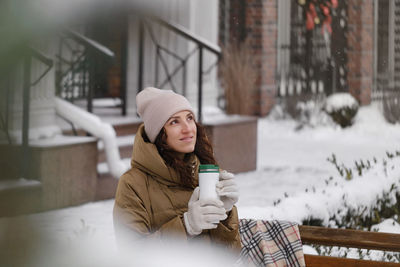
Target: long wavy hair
[203,150]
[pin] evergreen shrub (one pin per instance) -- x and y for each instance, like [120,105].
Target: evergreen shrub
[342,108]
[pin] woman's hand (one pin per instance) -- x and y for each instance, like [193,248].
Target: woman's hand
[227,190]
[203,214]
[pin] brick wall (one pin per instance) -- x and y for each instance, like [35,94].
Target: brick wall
[360,43]
[256,22]
[268,87]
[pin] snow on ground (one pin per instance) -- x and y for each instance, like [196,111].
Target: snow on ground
[289,163]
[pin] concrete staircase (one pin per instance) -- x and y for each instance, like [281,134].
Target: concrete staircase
[125,129]
[68,173]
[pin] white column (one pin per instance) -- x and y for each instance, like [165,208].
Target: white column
[201,18]
[42,116]
[132,68]
[204,23]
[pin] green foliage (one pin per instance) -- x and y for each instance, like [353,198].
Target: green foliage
[344,116]
[345,172]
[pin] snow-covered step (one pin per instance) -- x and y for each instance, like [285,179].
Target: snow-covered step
[14,184]
[123,125]
[124,143]
[107,111]
[125,140]
[102,168]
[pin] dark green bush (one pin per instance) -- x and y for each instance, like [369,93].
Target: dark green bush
[342,108]
[344,116]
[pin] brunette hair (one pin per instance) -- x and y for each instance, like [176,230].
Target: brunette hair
[203,150]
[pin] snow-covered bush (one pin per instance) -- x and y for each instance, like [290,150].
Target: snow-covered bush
[386,206]
[342,107]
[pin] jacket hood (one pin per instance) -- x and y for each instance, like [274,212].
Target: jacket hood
[145,157]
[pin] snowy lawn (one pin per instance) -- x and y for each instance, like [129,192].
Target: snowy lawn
[293,162]
[292,180]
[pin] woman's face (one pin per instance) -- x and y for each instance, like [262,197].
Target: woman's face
[181,132]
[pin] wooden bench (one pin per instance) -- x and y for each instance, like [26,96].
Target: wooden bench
[348,238]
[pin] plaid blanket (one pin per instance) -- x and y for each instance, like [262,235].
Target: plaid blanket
[270,243]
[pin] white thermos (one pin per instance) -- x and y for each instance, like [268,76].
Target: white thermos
[208,179]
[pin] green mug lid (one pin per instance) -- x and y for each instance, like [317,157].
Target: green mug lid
[203,168]
[208,166]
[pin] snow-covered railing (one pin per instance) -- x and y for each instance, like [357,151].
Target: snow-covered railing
[93,125]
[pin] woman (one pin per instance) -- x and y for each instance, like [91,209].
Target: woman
[159,195]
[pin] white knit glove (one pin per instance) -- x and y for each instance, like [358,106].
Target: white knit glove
[227,190]
[203,214]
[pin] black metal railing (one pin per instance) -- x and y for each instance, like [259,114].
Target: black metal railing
[26,55]
[170,72]
[27,85]
[77,58]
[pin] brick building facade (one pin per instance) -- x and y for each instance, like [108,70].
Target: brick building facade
[360,43]
[256,21]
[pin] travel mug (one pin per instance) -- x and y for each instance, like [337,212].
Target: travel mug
[208,179]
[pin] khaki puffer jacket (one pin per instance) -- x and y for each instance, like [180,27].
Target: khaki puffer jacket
[150,201]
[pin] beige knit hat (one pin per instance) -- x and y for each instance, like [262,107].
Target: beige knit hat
[156,106]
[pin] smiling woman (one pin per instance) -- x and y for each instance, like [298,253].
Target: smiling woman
[159,196]
[181,130]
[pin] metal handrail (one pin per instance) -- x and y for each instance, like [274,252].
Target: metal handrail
[41,57]
[89,43]
[44,59]
[201,44]
[81,65]
[188,35]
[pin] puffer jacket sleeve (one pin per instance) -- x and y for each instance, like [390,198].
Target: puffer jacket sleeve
[227,232]
[132,212]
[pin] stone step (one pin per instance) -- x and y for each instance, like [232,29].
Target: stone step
[109,112]
[102,168]
[123,125]
[121,129]
[19,196]
[106,187]
[125,144]
[106,184]
[126,128]
[124,152]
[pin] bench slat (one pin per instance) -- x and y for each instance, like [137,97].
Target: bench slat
[325,261]
[349,238]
